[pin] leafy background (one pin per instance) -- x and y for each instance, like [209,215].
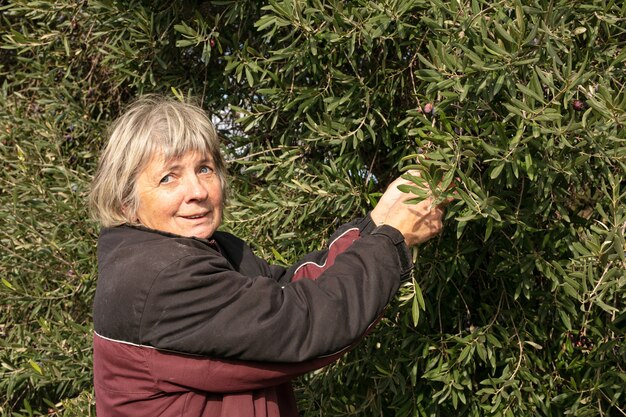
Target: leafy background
[517,309]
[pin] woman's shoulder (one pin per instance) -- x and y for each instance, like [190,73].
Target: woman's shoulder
[139,236]
[152,248]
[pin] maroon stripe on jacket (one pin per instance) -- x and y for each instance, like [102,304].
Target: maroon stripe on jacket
[312,270]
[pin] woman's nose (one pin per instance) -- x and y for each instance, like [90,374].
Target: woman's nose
[196,189]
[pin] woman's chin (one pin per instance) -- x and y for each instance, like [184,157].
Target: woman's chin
[202,231]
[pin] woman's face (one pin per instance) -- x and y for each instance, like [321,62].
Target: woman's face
[181,196]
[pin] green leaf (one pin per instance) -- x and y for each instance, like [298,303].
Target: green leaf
[185,29]
[35,366]
[415,311]
[7,284]
[496,171]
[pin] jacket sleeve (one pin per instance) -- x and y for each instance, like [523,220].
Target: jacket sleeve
[199,305]
[320,260]
[242,257]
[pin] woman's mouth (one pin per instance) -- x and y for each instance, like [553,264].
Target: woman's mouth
[195,216]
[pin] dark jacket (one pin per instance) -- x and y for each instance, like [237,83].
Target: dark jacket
[197,327]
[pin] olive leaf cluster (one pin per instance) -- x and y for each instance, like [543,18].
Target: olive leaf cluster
[516,109]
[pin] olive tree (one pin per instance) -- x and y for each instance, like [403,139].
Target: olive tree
[515,109]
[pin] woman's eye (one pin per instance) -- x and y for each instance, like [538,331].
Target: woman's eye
[206,170]
[166,179]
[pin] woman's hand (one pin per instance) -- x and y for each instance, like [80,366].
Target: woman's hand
[389,198]
[417,222]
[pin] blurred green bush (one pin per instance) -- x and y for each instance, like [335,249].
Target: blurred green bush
[518,309]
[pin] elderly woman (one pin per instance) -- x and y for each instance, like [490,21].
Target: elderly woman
[188,321]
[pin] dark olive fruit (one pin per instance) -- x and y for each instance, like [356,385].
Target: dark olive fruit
[578,105]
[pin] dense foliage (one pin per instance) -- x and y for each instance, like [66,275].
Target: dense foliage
[517,309]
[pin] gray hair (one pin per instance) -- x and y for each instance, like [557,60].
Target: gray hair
[150,125]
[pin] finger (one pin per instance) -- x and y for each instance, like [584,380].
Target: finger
[437,213]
